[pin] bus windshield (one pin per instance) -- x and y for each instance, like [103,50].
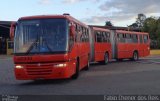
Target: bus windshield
[41,36]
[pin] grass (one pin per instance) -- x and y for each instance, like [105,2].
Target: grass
[155,52]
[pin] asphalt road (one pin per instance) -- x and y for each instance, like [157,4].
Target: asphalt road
[127,77]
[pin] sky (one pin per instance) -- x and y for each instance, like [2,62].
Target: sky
[91,12]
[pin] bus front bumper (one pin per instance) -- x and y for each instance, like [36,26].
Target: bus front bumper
[44,71]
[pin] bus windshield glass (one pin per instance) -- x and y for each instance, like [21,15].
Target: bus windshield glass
[41,36]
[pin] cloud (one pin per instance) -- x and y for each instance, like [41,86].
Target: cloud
[76,1]
[45,2]
[123,10]
[133,6]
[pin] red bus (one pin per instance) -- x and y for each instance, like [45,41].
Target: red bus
[100,45]
[50,47]
[129,45]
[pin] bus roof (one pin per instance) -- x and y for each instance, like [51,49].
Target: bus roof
[130,32]
[70,18]
[100,29]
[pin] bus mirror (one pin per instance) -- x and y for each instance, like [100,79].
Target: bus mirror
[72,30]
[12,30]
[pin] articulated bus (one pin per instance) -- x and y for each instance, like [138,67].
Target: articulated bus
[129,45]
[50,47]
[100,45]
[118,44]
[59,46]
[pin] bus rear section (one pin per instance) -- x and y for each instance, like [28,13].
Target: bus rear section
[100,45]
[50,47]
[130,45]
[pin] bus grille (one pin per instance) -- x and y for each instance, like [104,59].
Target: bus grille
[39,70]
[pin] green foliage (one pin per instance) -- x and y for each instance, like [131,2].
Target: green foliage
[108,23]
[150,25]
[140,20]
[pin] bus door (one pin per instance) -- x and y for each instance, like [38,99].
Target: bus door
[141,46]
[129,46]
[121,46]
[82,48]
[133,45]
[146,45]
[97,45]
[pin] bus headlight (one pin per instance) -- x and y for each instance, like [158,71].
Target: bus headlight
[60,65]
[19,67]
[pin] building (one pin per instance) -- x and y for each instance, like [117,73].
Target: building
[5,43]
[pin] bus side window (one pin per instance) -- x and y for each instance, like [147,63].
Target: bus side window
[81,34]
[135,38]
[98,36]
[71,42]
[76,36]
[87,35]
[121,38]
[76,28]
[107,34]
[104,37]
[95,36]
[141,38]
[145,38]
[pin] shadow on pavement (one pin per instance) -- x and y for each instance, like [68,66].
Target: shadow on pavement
[46,82]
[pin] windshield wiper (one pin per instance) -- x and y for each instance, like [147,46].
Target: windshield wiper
[32,45]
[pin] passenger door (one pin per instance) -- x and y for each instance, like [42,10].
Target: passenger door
[146,45]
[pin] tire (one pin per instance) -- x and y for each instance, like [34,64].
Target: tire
[76,75]
[106,59]
[135,56]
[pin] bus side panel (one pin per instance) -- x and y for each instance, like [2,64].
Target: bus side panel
[84,50]
[131,48]
[74,53]
[141,51]
[122,49]
[84,54]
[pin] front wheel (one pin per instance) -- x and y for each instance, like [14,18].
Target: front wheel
[76,75]
[135,56]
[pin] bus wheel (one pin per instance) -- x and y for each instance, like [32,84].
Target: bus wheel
[135,56]
[76,75]
[106,59]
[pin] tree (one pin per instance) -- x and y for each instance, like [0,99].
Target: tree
[108,23]
[152,25]
[134,25]
[140,20]
[158,32]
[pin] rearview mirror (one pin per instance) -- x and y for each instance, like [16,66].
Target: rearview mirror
[12,30]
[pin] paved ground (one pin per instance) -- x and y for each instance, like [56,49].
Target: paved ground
[127,77]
